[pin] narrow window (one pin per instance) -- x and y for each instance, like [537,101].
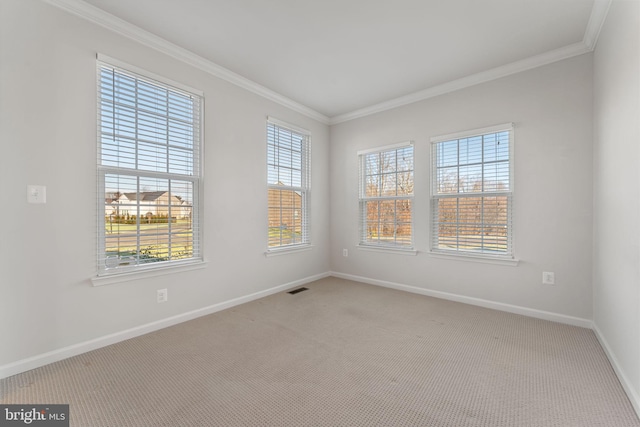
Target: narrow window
[149,172]
[471,192]
[386,197]
[288,177]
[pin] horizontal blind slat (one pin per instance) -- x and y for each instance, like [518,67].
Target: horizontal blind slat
[288,186]
[148,168]
[386,197]
[471,194]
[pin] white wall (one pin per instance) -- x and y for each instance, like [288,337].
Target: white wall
[551,107]
[48,134]
[48,137]
[616,291]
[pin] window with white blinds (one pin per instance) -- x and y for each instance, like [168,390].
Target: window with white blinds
[471,192]
[386,197]
[288,178]
[149,172]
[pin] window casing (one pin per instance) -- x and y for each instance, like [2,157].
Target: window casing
[289,186]
[386,197]
[149,172]
[472,192]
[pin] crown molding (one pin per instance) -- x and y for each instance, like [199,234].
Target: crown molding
[126,29]
[596,21]
[472,80]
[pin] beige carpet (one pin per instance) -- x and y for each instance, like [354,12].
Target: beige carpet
[340,354]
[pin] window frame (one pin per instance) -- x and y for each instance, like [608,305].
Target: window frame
[133,266]
[508,256]
[275,125]
[363,199]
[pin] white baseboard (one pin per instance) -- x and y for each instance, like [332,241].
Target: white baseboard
[530,312]
[634,398]
[83,347]
[76,349]
[632,394]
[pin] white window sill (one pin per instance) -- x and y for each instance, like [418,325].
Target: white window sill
[462,256]
[288,250]
[127,276]
[388,249]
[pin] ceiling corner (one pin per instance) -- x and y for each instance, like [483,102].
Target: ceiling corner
[596,20]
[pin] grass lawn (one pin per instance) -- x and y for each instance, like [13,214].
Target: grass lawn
[283,236]
[153,241]
[132,228]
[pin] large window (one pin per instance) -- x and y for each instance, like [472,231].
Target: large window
[386,197]
[472,187]
[288,176]
[149,172]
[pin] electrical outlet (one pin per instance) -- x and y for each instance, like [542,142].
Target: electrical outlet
[548,278]
[345,252]
[36,194]
[163,295]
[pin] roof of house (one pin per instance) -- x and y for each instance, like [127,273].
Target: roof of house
[145,196]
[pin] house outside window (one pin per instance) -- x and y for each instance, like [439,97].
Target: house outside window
[386,197]
[471,193]
[289,186]
[149,170]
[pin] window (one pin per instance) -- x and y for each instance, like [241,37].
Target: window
[386,197]
[288,177]
[149,172]
[471,192]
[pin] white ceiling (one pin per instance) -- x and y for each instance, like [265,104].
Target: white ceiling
[342,58]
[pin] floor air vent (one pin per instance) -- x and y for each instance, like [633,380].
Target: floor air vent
[295,291]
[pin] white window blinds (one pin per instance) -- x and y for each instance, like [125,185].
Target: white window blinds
[289,186]
[471,194]
[386,197]
[149,172]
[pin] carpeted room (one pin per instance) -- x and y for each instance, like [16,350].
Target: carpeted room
[341,353]
[575,163]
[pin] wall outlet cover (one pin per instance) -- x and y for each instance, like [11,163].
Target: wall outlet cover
[548,278]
